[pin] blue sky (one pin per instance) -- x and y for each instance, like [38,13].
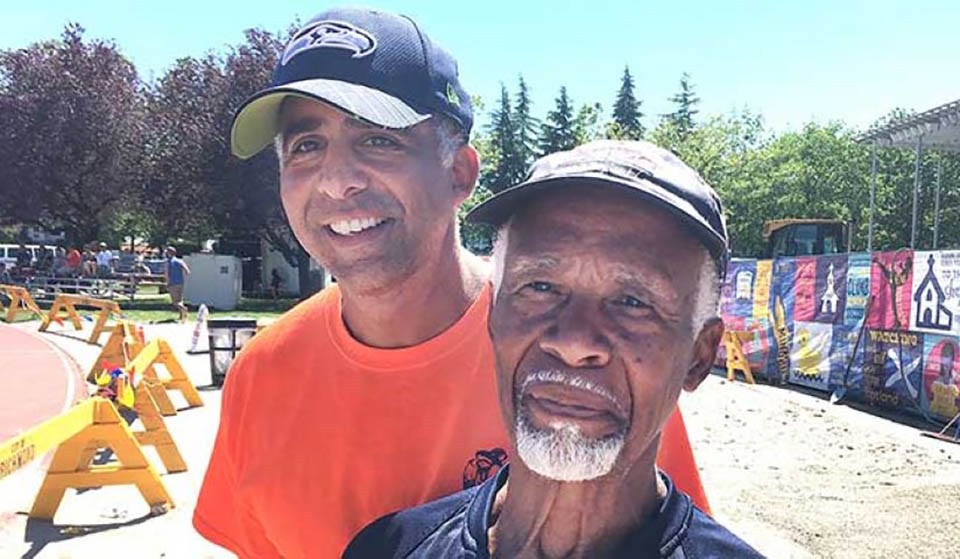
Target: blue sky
[791,61]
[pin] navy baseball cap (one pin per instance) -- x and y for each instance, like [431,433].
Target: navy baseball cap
[645,169]
[377,66]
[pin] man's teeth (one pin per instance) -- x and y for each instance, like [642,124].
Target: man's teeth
[354,226]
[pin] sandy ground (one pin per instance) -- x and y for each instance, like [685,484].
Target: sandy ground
[787,471]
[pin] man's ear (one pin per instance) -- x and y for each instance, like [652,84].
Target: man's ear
[704,353]
[466,169]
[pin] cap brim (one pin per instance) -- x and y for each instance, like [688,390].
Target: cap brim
[496,210]
[257,121]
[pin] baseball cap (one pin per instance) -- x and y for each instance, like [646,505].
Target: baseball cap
[377,66]
[651,172]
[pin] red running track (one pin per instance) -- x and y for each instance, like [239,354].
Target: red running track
[37,380]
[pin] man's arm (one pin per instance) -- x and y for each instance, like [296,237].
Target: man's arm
[220,515]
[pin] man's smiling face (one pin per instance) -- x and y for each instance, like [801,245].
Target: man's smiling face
[592,329]
[368,203]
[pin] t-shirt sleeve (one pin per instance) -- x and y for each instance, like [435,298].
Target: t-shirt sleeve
[676,458]
[221,515]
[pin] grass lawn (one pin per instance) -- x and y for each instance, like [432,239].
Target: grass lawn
[156,308]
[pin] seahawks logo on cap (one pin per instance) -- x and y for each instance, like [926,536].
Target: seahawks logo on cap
[330,34]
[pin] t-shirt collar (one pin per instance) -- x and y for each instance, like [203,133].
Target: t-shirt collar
[665,531]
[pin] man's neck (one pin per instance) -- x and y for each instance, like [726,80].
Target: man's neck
[542,518]
[419,307]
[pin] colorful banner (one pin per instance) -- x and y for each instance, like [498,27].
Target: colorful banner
[891,279]
[908,355]
[737,296]
[936,292]
[858,287]
[810,355]
[804,289]
[894,379]
[941,376]
[831,293]
[761,290]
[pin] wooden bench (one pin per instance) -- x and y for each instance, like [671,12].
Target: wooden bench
[68,304]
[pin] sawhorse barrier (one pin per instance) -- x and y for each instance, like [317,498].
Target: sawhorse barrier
[68,304]
[158,352]
[127,349]
[736,358]
[77,435]
[20,301]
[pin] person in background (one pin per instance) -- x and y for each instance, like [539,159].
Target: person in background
[104,261]
[24,258]
[175,274]
[275,282]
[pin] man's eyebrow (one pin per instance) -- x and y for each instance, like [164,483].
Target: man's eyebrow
[525,265]
[654,283]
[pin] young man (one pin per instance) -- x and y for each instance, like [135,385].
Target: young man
[175,273]
[379,392]
[605,307]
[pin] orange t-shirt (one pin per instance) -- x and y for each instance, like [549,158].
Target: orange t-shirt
[320,435]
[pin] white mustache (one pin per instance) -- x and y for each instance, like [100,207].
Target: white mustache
[580,383]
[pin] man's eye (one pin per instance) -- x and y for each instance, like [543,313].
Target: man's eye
[539,286]
[381,142]
[305,146]
[632,302]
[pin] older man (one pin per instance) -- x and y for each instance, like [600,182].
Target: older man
[378,393]
[605,308]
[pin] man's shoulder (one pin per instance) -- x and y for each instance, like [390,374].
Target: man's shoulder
[302,325]
[707,538]
[433,529]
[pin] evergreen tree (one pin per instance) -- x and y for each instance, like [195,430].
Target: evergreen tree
[685,101]
[558,130]
[626,111]
[527,126]
[504,138]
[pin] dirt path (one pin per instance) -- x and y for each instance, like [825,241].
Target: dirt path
[799,477]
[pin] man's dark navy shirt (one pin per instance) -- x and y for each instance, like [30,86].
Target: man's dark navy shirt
[455,527]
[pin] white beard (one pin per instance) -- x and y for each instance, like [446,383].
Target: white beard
[562,453]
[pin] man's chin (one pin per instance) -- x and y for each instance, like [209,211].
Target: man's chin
[564,454]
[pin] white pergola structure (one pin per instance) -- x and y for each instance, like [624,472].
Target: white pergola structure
[937,129]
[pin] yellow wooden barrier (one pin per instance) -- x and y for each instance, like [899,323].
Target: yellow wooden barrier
[122,346]
[68,303]
[20,301]
[736,358]
[158,352]
[77,435]
[155,431]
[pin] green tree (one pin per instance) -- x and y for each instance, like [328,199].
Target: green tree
[509,167]
[72,126]
[181,147]
[685,101]
[558,132]
[586,125]
[527,126]
[626,123]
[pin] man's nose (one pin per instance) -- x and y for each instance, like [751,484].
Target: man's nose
[577,337]
[340,176]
